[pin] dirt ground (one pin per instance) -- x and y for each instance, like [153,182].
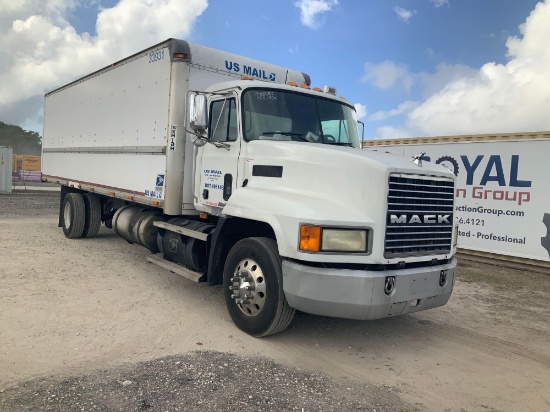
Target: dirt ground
[88,313]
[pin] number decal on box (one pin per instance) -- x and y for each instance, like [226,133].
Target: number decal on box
[156,56]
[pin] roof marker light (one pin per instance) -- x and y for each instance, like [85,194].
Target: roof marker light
[246,77]
[305,86]
[330,90]
[180,56]
[292,84]
[316,89]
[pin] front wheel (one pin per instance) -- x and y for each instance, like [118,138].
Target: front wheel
[253,287]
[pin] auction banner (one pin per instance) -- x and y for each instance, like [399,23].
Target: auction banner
[502,193]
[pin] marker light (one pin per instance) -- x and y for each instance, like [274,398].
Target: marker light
[310,238]
[180,56]
[305,86]
[292,84]
[246,77]
[316,89]
[330,90]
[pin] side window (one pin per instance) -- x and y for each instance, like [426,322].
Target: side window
[336,127]
[223,121]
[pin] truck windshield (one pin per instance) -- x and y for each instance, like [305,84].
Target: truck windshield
[283,115]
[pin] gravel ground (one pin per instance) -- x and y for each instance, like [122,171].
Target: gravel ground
[29,203]
[88,324]
[199,381]
[195,381]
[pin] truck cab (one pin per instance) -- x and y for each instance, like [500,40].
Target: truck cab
[360,234]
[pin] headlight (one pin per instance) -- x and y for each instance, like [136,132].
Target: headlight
[318,239]
[342,240]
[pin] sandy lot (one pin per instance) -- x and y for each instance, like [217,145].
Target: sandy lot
[76,307]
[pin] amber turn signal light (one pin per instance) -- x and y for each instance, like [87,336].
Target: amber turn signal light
[310,238]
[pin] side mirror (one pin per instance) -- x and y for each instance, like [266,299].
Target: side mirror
[362,134]
[198,119]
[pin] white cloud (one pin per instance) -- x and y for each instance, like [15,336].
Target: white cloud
[40,50]
[404,14]
[311,11]
[404,107]
[439,3]
[361,110]
[391,132]
[387,74]
[511,97]
[431,83]
[497,98]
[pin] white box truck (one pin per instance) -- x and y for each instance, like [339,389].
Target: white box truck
[233,171]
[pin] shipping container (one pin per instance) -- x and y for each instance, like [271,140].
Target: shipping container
[26,162]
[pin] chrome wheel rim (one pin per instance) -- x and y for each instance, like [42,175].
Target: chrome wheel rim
[67,215]
[248,287]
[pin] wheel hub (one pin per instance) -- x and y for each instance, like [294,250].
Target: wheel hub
[248,287]
[67,215]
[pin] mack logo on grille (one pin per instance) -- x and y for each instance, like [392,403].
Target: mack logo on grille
[422,219]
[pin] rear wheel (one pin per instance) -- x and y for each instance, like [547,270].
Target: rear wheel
[73,216]
[92,210]
[253,288]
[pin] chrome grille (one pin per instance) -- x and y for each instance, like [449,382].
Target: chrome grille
[420,215]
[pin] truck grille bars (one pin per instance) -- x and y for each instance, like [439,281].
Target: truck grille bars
[419,220]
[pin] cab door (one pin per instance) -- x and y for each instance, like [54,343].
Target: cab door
[219,160]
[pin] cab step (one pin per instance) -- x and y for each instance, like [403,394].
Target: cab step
[157,259]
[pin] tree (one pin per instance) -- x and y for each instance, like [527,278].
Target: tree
[24,142]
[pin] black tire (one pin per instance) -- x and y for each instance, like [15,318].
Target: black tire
[92,208]
[275,314]
[73,215]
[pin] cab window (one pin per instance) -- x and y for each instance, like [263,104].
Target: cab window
[223,121]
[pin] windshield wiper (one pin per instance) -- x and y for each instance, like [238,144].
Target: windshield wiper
[291,134]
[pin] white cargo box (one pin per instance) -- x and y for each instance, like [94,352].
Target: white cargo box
[120,130]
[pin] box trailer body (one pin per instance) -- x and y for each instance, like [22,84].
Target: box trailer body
[123,114]
[235,171]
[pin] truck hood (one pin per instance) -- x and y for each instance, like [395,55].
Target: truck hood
[290,183]
[343,174]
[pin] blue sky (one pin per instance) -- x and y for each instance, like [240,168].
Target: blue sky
[416,67]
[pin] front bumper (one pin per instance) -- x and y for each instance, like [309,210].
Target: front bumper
[359,294]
